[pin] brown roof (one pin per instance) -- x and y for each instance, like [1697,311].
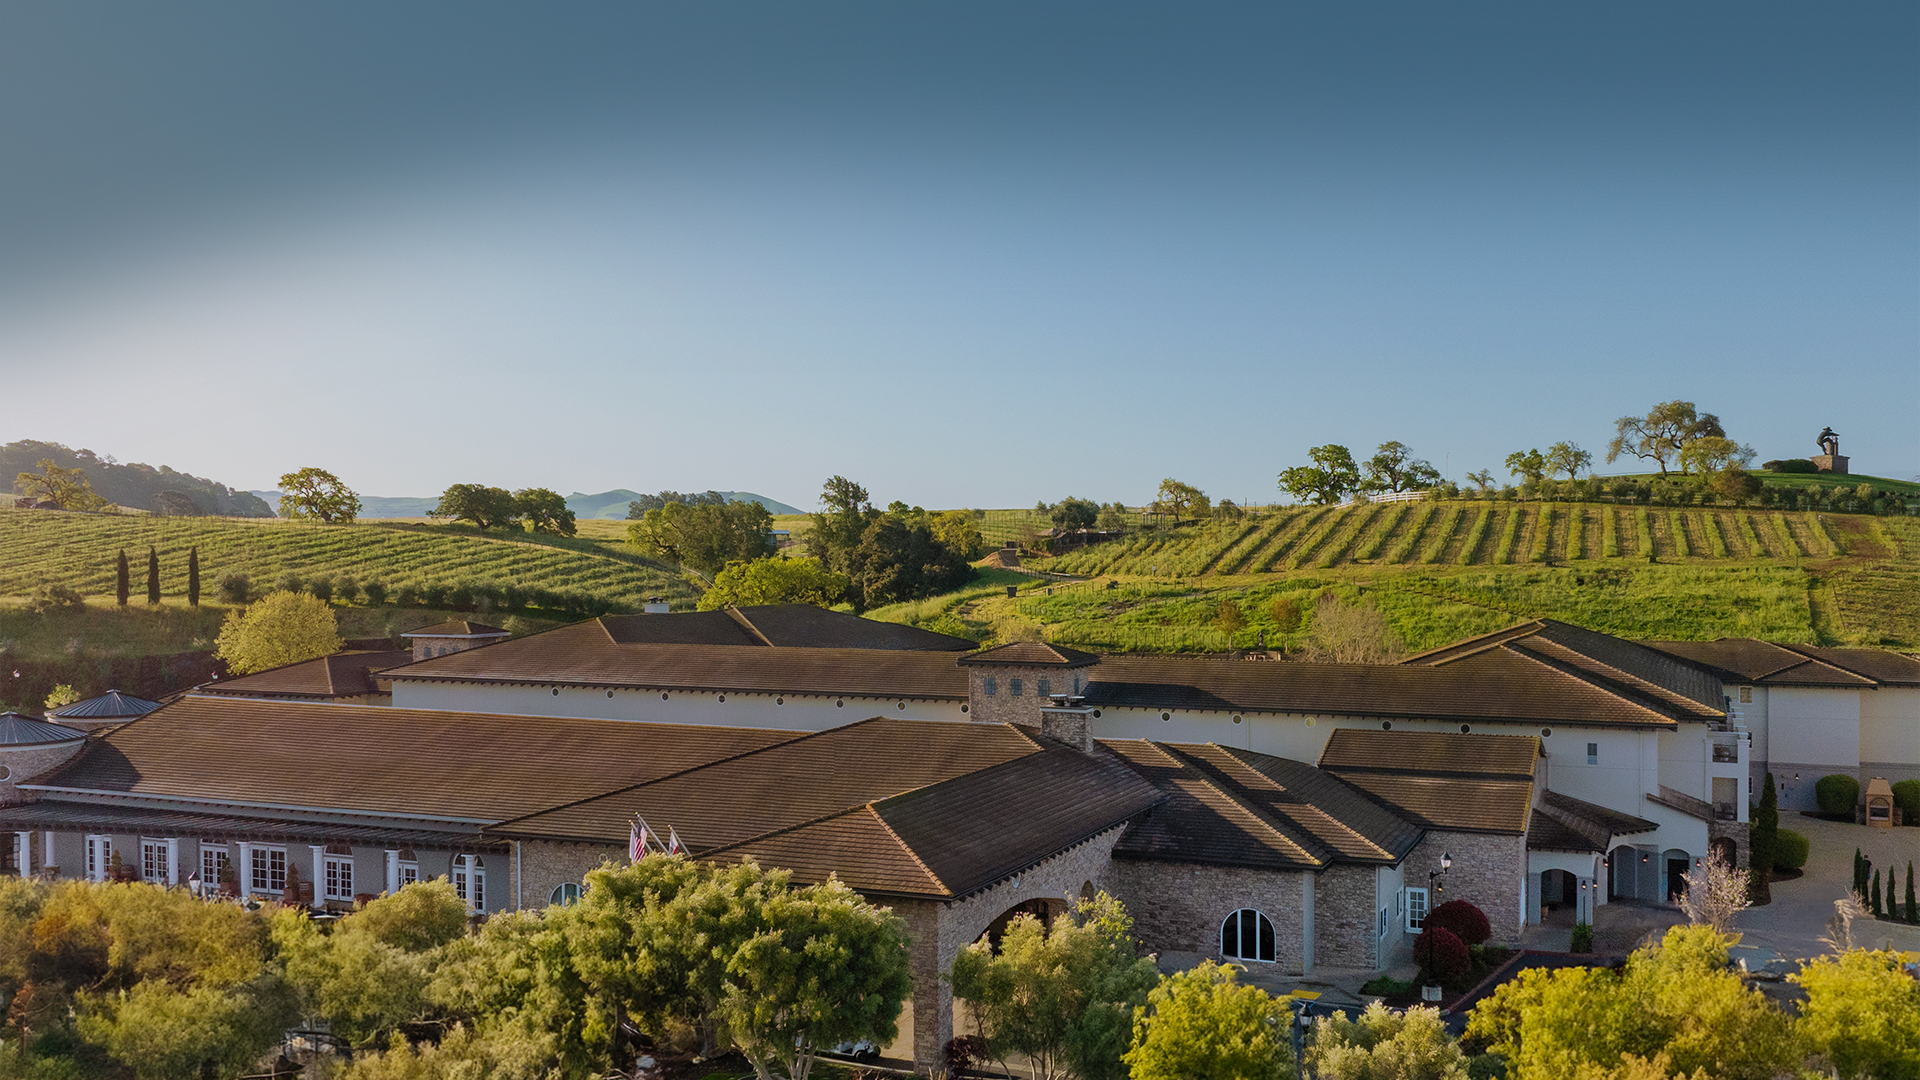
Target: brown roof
[796,626]
[909,807]
[1749,660]
[472,766]
[1501,687]
[583,654]
[1465,783]
[458,628]
[1596,825]
[1628,670]
[1240,808]
[1031,654]
[342,674]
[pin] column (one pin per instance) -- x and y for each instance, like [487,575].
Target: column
[243,867]
[48,860]
[393,871]
[24,842]
[319,875]
[173,861]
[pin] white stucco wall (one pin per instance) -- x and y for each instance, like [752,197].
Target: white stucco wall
[1814,726]
[786,712]
[1890,733]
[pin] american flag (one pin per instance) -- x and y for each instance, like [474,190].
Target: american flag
[637,837]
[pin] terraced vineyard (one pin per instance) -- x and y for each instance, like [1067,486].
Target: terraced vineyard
[78,550]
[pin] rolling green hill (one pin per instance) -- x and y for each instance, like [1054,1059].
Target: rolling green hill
[1442,570]
[78,550]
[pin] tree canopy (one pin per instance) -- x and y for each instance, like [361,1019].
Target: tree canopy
[1182,500]
[774,580]
[1662,433]
[1073,513]
[68,487]
[1332,476]
[1202,1025]
[1565,457]
[900,553]
[318,494]
[278,629]
[1394,468]
[706,536]
[545,511]
[485,507]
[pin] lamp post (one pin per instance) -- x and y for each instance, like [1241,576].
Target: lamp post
[1436,882]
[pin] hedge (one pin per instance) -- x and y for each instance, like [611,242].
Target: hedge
[1790,850]
[1906,796]
[1837,794]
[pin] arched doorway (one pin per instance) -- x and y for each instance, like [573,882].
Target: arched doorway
[1559,898]
[1045,909]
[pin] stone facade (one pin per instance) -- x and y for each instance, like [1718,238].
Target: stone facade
[1344,918]
[19,764]
[540,866]
[1737,833]
[1017,694]
[1179,907]
[1489,871]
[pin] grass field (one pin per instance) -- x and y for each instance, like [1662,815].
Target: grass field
[78,550]
[1441,571]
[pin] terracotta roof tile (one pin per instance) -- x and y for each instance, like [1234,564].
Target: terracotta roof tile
[1473,783]
[458,628]
[1031,654]
[342,674]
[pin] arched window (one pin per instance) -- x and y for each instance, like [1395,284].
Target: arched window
[1247,935]
[564,894]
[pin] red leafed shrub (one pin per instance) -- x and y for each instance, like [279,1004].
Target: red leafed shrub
[1441,954]
[1467,922]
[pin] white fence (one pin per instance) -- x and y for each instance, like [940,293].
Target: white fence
[1390,496]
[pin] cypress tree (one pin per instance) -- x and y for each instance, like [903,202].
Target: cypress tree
[153,575]
[193,576]
[122,586]
[1913,911]
[1764,840]
[1877,909]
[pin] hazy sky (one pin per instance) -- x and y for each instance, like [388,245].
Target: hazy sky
[968,254]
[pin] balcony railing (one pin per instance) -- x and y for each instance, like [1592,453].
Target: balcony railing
[1728,753]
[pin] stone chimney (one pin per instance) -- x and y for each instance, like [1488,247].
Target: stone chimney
[1069,721]
[455,636]
[1017,682]
[656,605]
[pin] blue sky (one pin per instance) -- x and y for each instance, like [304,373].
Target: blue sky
[968,254]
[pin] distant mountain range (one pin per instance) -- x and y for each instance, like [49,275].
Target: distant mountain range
[607,504]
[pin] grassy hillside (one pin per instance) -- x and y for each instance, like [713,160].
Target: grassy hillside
[1443,570]
[78,550]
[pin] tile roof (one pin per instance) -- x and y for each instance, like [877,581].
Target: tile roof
[1466,783]
[1031,654]
[77,816]
[1548,833]
[342,674]
[801,626]
[1596,825]
[1749,660]
[471,766]
[1242,808]
[1630,671]
[583,654]
[112,705]
[19,729]
[458,628]
[1499,687]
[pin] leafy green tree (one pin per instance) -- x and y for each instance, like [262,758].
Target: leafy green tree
[1071,513]
[1181,500]
[705,537]
[545,511]
[899,559]
[193,576]
[122,579]
[509,1053]
[1677,997]
[318,494]
[162,1032]
[840,525]
[1384,1045]
[1566,457]
[280,628]
[1062,997]
[1530,465]
[371,974]
[486,507]
[1660,435]
[1202,1025]
[958,532]
[61,695]
[153,575]
[1714,453]
[68,487]
[1483,480]
[1394,468]
[1114,517]
[774,581]
[1862,1015]
[1331,477]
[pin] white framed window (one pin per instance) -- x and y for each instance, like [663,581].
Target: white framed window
[269,871]
[1247,935]
[156,860]
[214,861]
[339,875]
[1593,753]
[470,881]
[1746,695]
[99,855]
[1386,915]
[563,894]
[1416,909]
[409,872]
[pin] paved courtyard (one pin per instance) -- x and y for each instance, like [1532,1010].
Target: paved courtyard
[1791,926]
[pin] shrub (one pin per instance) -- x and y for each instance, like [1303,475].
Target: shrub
[347,589]
[289,582]
[1906,796]
[1582,938]
[1441,954]
[1467,922]
[1791,465]
[236,588]
[51,598]
[407,595]
[321,588]
[460,596]
[1286,614]
[1837,794]
[433,594]
[1790,850]
[376,593]
[63,694]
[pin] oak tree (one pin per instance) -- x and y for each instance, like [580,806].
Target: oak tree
[486,507]
[1332,476]
[318,494]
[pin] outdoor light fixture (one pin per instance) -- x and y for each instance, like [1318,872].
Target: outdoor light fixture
[1446,864]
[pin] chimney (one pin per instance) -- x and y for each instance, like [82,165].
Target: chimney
[656,605]
[1069,720]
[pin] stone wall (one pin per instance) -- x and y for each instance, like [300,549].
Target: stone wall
[540,866]
[1003,706]
[1344,918]
[24,763]
[1179,907]
[1489,871]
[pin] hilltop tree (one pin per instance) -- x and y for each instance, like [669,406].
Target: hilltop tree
[122,579]
[486,507]
[1181,500]
[773,580]
[68,487]
[318,494]
[1482,479]
[1565,457]
[1660,435]
[1715,453]
[958,532]
[545,511]
[705,537]
[281,628]
[1530,465]
[1071,513]
[193,576]
[1394,468]
[1331,477]
[838,527]
[153,575]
